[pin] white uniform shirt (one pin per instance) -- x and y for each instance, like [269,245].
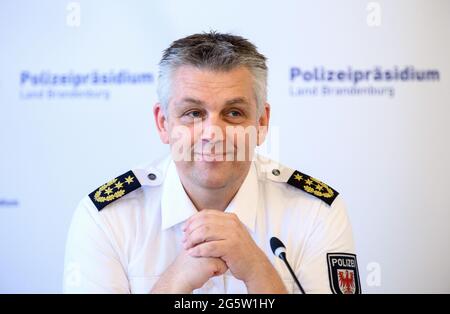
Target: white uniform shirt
[126,246]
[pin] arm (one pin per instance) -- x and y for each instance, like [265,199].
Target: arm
[331,234]
[187,273]
[92,264]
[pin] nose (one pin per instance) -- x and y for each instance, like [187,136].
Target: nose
[211,127]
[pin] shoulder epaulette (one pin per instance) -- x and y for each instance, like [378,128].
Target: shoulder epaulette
[114,189]
[313,186]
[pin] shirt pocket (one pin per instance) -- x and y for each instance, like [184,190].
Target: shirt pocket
[142,284]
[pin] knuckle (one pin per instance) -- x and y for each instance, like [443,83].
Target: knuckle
[204,230]
[203,236]
[234,220]
[202,220]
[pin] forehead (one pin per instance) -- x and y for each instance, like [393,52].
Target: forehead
[211,85]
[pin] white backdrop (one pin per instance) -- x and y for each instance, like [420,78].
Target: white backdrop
[382,141]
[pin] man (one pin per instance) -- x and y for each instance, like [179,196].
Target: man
[201,219]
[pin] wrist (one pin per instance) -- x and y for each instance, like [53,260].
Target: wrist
[172,282]
[265,279]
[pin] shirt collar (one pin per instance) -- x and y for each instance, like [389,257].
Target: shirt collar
[177,207]
[245,202]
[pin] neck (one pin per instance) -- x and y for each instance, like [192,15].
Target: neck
[207,198]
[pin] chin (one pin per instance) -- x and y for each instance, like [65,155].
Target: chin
[211,179]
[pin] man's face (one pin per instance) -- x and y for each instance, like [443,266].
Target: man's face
[212,125]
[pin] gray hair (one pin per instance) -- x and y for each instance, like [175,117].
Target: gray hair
[217,52]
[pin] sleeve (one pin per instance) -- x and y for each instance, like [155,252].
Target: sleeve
[329,262]
[92,265]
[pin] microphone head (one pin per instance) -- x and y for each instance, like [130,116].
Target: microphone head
[277,246]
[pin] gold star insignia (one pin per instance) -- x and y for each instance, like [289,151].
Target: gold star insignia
[298,177]
[129,179]
[118,185]
[308,181]
[319,187]
[108,191]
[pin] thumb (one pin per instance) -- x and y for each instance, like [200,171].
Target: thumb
[221,267]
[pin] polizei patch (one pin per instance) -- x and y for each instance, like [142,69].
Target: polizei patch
[343,273]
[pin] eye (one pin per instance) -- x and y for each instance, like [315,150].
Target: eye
[194,114]
[234,113]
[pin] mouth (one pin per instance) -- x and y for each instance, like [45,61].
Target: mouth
[211,157]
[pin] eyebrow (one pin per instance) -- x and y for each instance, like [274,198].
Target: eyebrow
[230,102]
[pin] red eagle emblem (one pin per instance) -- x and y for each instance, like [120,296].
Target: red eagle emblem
[346,281]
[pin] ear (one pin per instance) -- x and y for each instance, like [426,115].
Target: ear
[161,123]
[263,124]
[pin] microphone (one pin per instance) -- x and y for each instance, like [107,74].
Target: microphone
[279,250]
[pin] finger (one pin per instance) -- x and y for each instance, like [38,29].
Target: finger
[208,249]
[221,268]
[224,219]
[204,214]
[205,233]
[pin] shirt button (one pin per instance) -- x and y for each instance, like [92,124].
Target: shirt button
[276,172]
[151,176]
